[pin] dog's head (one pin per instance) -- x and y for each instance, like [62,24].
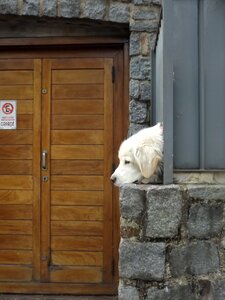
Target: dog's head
[140,157]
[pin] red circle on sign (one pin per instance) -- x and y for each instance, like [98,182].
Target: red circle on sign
[7,108]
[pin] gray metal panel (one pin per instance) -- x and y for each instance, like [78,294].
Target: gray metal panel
[167,56]
[186,90]
[212,33]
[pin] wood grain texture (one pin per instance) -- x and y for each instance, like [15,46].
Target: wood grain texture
[85,76]
[77,243]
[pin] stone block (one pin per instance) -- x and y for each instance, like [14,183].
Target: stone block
[134,88]
[206,192]
[119,12]
[131,202]
[197,258]
[145,90]
[144,261]
[30,8]
[144,25]
[175,292]
[68,8]
[164,211]
[205,220]
[128,293]
[94,9]
[48,8]
[140,68]
[134,43]
[8,7]
[219,289]
[138,112]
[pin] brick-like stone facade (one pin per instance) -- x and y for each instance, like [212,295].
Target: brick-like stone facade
[177,248]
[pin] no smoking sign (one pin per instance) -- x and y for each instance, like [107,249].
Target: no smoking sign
[7,114]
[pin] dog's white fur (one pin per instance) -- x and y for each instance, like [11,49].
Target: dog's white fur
[140,157]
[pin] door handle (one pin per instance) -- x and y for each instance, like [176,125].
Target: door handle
[44,160]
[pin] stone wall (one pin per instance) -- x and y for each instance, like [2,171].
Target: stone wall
[172,242]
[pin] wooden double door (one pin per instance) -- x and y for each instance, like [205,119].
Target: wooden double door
[57,231]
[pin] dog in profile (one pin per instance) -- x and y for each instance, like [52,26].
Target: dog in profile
[141,157]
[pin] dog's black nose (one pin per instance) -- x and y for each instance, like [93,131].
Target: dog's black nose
[113,178]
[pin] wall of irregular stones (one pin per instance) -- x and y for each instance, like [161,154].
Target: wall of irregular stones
[172,242]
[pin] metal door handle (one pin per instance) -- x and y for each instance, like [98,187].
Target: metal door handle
[44,160]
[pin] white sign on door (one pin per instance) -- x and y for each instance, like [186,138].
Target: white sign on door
[7,114]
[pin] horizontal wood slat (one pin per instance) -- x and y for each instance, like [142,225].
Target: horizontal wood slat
[77,228]
[76,197]
[14,64]
[24,107]
[75,167]
[17,167]
[87,76]
[76,152]
[76,275]
[73,182]
[77,243]
[16,92]
[20,273]
[24,122]
[16,152]
[76,137]
[15,257]
[15,227]
[77,107]
[15,182]
[17,242]
[15,212]
[77,91]
[16,77]
[15,197]
[72,258]
[78,63]
[77,122]
[78,213]
[18,137]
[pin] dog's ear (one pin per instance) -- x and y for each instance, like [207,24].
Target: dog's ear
[147,159]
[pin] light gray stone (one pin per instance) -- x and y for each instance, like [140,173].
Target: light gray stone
[134,128]
[164,211]
[134,88]
[206,192]
[179,292]
[205,220]
[140,68]
[197,258]
[48,8]
[219,290]
[139,112]
[144,261]
[30,7]
[144,25]
[128,293]
[68,8]
[144,13]
[93,9]
[119,12]
[135,43]
[145,90]
[131,202]
[8,7]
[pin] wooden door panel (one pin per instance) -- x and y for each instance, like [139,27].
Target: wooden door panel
[56,222]
[18,185]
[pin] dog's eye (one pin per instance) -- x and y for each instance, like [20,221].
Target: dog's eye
[126,162]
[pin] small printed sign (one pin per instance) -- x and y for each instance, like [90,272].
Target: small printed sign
[7,114]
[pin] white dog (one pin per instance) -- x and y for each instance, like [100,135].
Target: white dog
[140,157]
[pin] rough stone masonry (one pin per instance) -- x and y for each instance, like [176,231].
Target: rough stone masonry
[172,242]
